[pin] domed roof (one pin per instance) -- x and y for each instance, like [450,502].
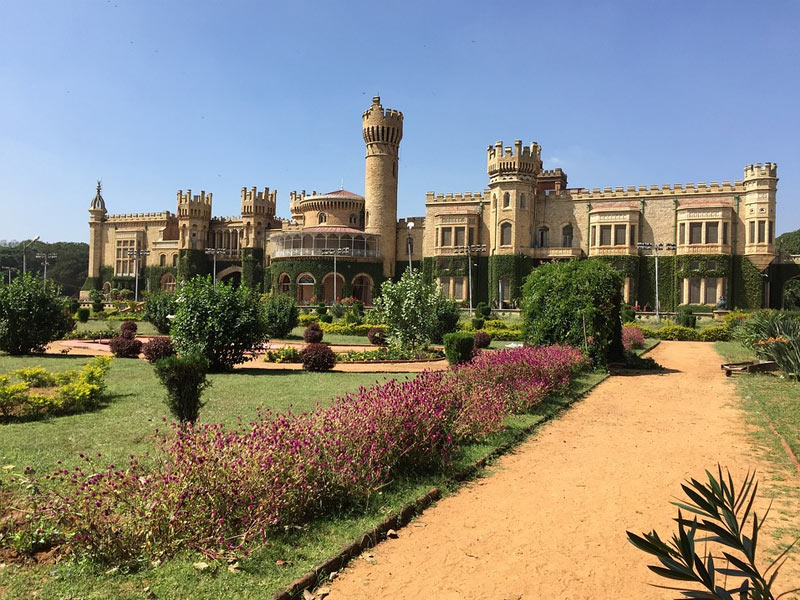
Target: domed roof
[97,202]
[337,194]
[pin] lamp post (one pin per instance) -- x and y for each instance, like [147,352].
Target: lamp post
[9,269]
[137,255]
[410,227]
[334,252]
[655,248]
[25,247]
[215,252]
[468,250]
[45,256]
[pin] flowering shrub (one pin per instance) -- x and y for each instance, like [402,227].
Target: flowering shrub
[312,334]
[377,336]
[388,353]
[158,348]
[632,337]
[283,355]
[220,491]
[317,357]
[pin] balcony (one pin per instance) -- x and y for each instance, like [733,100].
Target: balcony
[317,244]
[321,252]
[703,249]
[555,252]
[613,251]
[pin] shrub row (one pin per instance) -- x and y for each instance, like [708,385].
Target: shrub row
[219,490]
[717,333]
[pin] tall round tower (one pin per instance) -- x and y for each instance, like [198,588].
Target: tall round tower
[382,130]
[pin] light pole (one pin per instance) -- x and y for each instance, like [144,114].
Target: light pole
[410,267]
[334,252]
[137,255]
[468,250]
[45,256]
[9,269]
[655,248]
[215,252]
[25,247]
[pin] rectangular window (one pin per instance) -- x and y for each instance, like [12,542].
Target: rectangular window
[471,236]
[594,235]
[605,235]
[752,232]
[771,231]
[460,239]
[695,233]
[712,232]
[762,235]
[682,234]
[458,288]
[694,291]
[447,236]
[125,264]
[619,235]
[724,233]
[633,235]
[444,286]
[711,292]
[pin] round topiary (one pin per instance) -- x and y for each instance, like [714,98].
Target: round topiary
[318,357]
[83,314]
[377,336]
[481,339]
[124,347]
[158,348]
[326,318]
[129,326]
[313,334]
[477,323]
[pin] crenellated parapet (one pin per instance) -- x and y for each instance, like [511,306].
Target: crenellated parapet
[381,125]
[522,163]
[151,216]
[432,197]
[758,170]
[643,191]
[256,202]
[197,205]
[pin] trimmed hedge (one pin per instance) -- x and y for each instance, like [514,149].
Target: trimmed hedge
[458,347]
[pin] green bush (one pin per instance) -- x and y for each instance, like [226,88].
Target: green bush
[281,315]
[185,379]
[575,303]
[627,314]
[222,325]
[483,310]
[674,333]
[341,328]
[322,309]
[716,333]
[686,318]
[504,334]
[305,320]
[458,347]
[98,305]
[318,357]
[446,314]
[326,318]
[83,315]
[157,305]
[773,335]
[477,323]
[32,314]
[283,355]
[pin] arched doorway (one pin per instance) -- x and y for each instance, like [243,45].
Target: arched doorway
[284,283]
[168,282]
[362,288]
[231,275]
[329,295]
[305,288]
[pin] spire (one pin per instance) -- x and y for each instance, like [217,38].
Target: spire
[97,202]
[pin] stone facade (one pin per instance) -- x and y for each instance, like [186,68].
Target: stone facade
[527,215]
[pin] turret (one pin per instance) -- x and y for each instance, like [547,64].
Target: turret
[194,214]
[758,212]
[97,215]
[258,210]
[382,131]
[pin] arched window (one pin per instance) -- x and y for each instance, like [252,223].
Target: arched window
[322,218]
[366,218]
[330,292]
[284,283]
[174,260]
[494,201]
[168,282]
[566,236]
[543,242]
[305,288]
[505,234]
[362,288]
[353,219]
[506,200]
[162,260]
[522,200]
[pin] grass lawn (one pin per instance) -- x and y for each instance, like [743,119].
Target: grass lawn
[330,338]
[144,327]
[124,427]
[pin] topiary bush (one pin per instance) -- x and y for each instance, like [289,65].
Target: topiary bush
[717,333]
[326,318]
[128,329]
[483,310]
[318,357]
[446,315]
[576,303]
[157,305]
[158,348]
[481,339]
[280,315]
[477,323]
[33,313]
[304,320]
[83,315]
[98,305]
[185,379]
[125,347]
[459,347]
[686,318]
[322,309]
[222,325]
[377,336]
[313,334]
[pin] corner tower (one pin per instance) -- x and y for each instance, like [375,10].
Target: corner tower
[97,216]
[382,131]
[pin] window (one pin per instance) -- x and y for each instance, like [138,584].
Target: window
[771,231]
[761,231]
[506,200]
[711,265]
[471,236]
[505,234]
[566,236]
[711,291]
[712,232]
[458,288]
[543,241]
[174,260]
[619,265]
[447,236]
[353,219]
[284,283]
[322,218]
[444,286]
[619,235]
[124,263]
[162,260]
[594,235]
[752,232]
[522,200]
[695,233]
[694,291]
[633,235]
[724,233]
[460,236]
[362,289]
[168,282]
[305,288]
[682,233]
[694,265]
[605,235]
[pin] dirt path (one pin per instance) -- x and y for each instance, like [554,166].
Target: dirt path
[550,521]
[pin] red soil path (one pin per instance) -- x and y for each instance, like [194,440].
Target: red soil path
[550,521]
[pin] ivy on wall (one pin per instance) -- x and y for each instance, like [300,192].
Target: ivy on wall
[193,262]
[253,268]
[779,275]
[153,275]
[705,265]
[456,266]
[511,266]
[747,284]
[319,267]
[667,284]
[630,269]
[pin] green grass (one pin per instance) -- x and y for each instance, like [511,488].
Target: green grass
[330,338]
[259,576]
[143,327]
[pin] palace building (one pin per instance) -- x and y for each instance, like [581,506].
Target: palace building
[716,239]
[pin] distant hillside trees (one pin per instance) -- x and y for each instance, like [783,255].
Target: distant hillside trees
[69,269]
[788,242]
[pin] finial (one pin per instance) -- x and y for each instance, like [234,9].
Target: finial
[99,185]
[342,183]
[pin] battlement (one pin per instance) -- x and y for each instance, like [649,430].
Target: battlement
[221,220]
[382,126]
[465,197]
[552,173]
[518,161]
[187,198]
[376,112]
[632,191]
[758,170]
[252,195]
[152,216]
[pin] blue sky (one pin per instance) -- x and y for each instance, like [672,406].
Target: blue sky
[153,97]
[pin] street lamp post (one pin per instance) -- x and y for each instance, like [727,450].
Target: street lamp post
[334,252]
[45,256]
[215,252]
[9,269]
[24,248]
[655,248]
[410,227]
[468,250]
[137,255]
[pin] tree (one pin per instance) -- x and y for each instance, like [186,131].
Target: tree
[221,325]
[576,303]
[788,242]
[411,309]
[157,306]
[68,269]
[281,314]
[32,314]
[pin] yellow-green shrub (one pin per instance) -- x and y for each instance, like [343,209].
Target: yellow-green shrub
[12,395]
[717,333]
[340,328]
[38,377]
